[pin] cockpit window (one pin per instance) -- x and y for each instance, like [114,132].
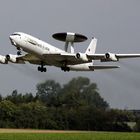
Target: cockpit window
[16,34]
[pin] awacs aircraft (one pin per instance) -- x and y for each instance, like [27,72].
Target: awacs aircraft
[41,53]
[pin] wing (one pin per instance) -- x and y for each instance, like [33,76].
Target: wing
[29,58]
[51,59]
[59,58]
[82,57]
[111,56]
[127,55]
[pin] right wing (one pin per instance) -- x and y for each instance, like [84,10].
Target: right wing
[29,58]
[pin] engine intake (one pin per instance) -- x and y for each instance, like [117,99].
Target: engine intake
[13,58]
[82,57]
[111,57]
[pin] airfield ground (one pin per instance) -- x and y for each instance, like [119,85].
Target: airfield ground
[37,131]
[29,134]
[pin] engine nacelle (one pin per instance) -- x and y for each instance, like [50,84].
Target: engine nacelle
[110,57]
[13,58]
[3,59]
[82,57]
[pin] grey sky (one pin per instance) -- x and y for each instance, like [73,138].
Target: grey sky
[116,24]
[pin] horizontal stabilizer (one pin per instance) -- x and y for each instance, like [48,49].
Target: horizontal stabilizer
[98,67]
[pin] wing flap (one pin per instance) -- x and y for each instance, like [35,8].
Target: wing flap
[27,57]
[64,57]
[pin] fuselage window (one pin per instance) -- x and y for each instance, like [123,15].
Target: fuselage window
[16,34]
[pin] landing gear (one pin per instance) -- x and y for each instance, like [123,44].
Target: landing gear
[19,51]
[65,69]
[41,68]
[64,66]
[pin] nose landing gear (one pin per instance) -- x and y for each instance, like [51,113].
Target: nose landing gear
[19,51]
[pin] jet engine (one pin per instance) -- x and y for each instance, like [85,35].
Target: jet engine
[13,58]
[3,59]
[82,57]
[110,57]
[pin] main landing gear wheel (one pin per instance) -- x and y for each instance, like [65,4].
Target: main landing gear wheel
[41,68]
[65,69]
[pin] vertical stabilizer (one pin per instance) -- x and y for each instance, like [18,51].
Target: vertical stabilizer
[92,46]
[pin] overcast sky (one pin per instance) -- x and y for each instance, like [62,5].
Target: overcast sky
[115,23]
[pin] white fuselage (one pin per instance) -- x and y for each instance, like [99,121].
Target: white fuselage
[32,44]
[37,47]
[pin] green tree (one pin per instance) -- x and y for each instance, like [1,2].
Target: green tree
[33,115]
[80,92]
[19,98]
[7,113]
[1,98]
[48,92]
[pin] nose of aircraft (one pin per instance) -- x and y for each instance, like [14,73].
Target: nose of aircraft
[11,37]
[12,40]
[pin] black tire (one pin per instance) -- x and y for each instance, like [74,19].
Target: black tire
[39,68]
[18,52]
[44,69]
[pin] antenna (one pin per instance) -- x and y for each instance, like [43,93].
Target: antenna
[69,38]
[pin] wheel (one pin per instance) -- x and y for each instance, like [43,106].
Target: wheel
[44,69]
[68,69]
[18,52]
[39,68]
[65,69]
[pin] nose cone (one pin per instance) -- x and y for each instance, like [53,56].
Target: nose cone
[10,37]
[12,40]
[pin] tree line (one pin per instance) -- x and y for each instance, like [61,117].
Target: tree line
[76,105]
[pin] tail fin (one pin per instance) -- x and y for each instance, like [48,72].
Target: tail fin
[92,46]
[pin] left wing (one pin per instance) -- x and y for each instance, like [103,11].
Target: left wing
[111,56]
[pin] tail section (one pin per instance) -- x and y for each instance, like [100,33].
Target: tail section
[92,46]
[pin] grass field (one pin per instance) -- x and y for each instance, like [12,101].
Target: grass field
[64,135]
